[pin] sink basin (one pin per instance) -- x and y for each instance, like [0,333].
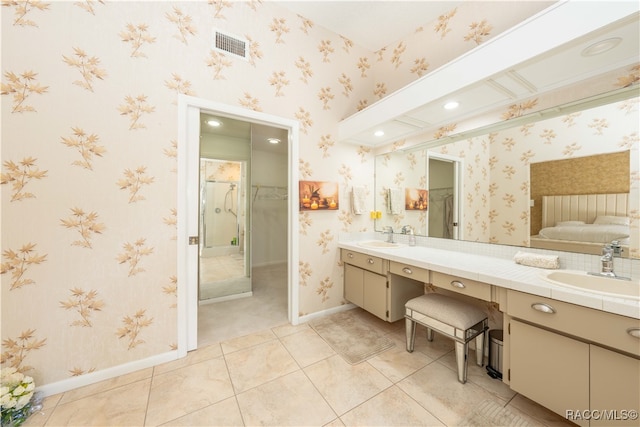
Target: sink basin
[378,244]
[599,284]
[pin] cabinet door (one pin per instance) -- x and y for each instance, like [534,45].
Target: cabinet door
[550,369]
[615,387]
[353,284]
[375,294]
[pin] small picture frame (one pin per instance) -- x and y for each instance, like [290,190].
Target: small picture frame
[318,196]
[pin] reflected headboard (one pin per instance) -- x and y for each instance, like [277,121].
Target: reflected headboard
[582,207]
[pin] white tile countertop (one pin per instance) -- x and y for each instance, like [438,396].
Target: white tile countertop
[500,272]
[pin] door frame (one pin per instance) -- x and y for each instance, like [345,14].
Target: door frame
[188,167]
[458,187]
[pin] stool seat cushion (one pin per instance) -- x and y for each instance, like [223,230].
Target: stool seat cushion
[449,310]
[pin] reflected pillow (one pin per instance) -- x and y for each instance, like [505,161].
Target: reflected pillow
[569,223]
[611,219]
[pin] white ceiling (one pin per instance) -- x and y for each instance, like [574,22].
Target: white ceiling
[372,24]
[395,20]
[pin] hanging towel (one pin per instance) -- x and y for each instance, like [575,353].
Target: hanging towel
[396,200]
[358,195]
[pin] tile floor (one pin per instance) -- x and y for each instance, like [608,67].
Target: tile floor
[288,376]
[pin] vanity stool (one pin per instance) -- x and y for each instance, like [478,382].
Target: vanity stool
[453,318]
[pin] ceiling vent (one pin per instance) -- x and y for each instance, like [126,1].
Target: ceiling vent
[229,43]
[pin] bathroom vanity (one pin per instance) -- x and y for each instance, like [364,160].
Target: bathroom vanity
[573,351]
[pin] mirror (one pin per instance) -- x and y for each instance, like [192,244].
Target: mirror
[222,268]
[494,192]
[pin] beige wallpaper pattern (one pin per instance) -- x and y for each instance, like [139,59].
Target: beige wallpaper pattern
[89,146]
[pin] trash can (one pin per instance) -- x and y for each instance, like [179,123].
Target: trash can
[494,368]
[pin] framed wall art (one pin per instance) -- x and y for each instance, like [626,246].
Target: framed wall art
[318,196]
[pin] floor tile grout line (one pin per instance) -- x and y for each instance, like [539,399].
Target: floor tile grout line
[50,413]
[236,393]
[146,408]
[319,392]
[248,347]
[420,404]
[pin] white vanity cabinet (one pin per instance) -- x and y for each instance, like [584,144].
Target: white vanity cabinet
[572,358]
[367,284]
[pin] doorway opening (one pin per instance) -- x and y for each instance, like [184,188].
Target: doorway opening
[251,191]
[445,184]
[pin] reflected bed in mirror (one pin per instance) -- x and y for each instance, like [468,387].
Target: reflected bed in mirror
[497,179]
[584,223]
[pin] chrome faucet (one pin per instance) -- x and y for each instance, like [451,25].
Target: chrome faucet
[407,229]
[388,230]
[609,251]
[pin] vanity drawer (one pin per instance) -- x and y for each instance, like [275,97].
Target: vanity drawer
[596,326]
[367,262]
[468,287]
[416,273]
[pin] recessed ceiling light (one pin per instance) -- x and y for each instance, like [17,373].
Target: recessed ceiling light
[273,140]
[451,105]
[601,47]
[214,123]
[379,133]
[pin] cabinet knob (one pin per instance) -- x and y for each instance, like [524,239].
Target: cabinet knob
[370,261]
[544,308]
[457,284]
[407,270]
[634,332]
[350,255]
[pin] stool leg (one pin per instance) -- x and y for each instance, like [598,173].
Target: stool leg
[480,349]
[461,361]
[410,331]
[429,334]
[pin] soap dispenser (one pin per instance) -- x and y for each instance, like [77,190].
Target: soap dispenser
[607,260]
[412,238]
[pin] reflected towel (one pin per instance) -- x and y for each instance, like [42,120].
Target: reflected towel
[396,201]
[358,195]
[537,260]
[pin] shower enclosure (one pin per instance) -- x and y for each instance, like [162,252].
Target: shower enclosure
[219,218]
[223,271]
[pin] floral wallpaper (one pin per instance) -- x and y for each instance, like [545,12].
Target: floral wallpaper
[89,142]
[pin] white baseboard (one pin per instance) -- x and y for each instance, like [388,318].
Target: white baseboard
[225,298]
[105,374]
[338,309]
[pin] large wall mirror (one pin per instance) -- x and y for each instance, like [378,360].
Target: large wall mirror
[496,179]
